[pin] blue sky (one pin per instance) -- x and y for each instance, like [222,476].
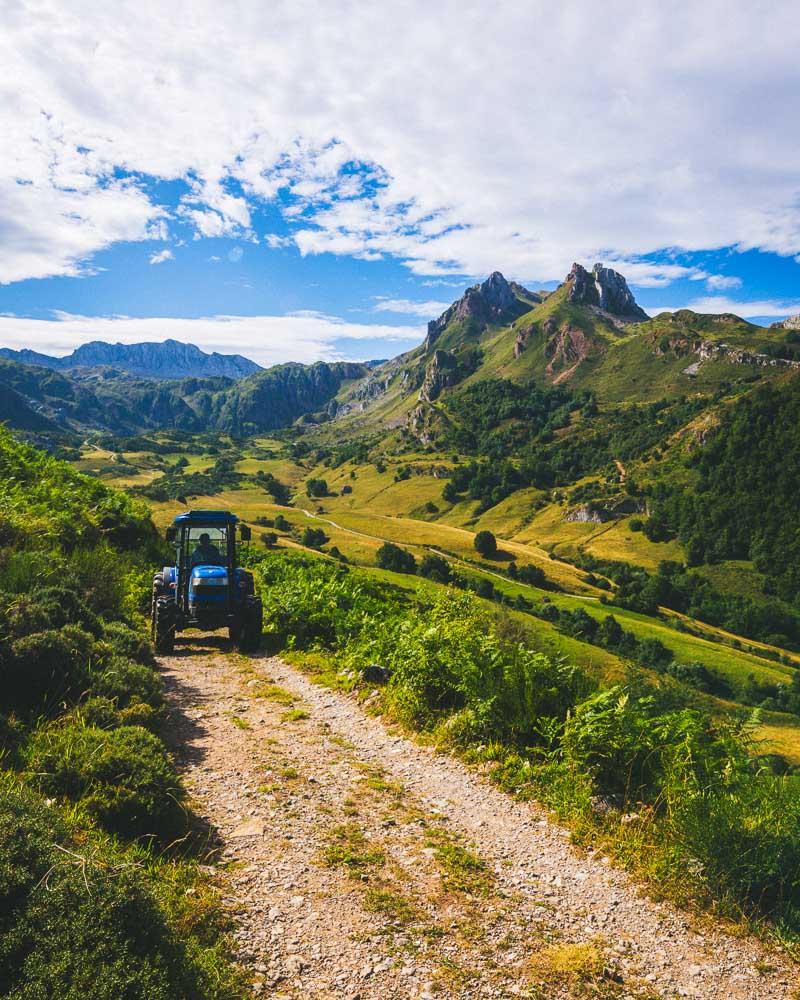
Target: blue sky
[303,183]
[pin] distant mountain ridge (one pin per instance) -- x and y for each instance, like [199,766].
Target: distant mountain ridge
[38,399]
[170,359]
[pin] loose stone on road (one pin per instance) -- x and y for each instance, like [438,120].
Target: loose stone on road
[359,864]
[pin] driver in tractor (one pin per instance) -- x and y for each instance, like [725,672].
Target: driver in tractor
[206,554]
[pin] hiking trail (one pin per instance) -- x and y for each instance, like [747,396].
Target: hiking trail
[362,865]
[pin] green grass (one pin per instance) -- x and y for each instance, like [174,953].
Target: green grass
[294,715]
[348,848]
[462,870]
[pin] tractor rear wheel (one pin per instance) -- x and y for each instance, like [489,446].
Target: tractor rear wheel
[164,621]
[248,637]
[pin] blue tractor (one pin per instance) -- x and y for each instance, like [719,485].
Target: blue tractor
[205,588]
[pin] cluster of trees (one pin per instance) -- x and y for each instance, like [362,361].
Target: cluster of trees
[317,487]
[279,491]
[177,484]
[677,587]
[498,416]
[746,499]
[399,560]
[497,430]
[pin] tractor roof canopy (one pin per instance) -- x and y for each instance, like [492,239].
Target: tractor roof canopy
[210,517]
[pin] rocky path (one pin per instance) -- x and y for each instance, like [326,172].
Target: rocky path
[361,865]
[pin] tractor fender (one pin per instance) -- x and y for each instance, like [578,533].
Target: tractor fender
[170,575]
[244,582]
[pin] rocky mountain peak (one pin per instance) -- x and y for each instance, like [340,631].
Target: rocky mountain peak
[606,289]
[492,301]
[790,323]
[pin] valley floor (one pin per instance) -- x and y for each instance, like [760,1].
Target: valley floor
[360,864]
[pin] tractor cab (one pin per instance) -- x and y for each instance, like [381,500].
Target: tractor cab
[205,588]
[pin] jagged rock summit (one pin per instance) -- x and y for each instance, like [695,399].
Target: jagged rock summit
[168,360]
[790,323]
[606,289]
[493,301]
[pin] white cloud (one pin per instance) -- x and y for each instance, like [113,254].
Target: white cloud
[268,340]
[426,310]
[715,304]
[721,282]
[235,254]
[161,256]
[676,138]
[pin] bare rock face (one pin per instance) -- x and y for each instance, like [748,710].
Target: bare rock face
[522,339]
[598,512]
[566,347]
[607,290]
[790,323]
[441,372]
[490,302]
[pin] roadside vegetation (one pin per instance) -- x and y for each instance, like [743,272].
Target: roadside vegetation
[100,891]
[680,795]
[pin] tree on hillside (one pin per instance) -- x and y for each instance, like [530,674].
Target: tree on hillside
[317,488]
[435,568]
[392,557]
[486,544]
[314,538]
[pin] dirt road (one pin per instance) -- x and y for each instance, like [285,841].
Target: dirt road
[361,865]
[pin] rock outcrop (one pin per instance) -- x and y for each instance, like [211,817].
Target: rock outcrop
[493,301]
[599,512]
[442,372]
[605,289]
[790,323]
[567,345]
[709,350]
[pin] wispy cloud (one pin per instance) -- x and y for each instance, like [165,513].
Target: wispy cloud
[408,307]
[161,256]
[722,282]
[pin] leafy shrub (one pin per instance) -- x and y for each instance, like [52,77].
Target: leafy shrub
[435,568]
[125,681]
[45,668]
[129,644]
[486,544]
[314,538]
[47,608]
[123,777]
[395,558]
[76,923]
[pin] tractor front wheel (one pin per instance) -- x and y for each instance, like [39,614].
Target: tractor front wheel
[248,635]
[164,621]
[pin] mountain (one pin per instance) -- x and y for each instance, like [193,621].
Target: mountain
[790,323]
[589,335]
[168,360]
[35,398]
[494,301]
[278,396]
[605,289]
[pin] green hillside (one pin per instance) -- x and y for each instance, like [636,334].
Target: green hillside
[100,890]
